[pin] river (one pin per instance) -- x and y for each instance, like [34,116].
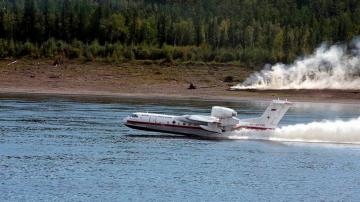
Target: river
[62,149]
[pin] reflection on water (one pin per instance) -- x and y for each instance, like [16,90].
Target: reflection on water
[66,149]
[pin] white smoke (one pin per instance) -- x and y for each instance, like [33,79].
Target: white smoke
[334,67]
[345,132]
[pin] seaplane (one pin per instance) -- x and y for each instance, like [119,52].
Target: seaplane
[218,125]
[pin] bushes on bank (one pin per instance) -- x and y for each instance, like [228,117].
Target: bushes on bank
[49,48]
[118,52]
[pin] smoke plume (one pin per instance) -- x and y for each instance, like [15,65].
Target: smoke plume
[334,67]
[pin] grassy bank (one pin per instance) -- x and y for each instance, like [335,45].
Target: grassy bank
[146,79]
[129,77]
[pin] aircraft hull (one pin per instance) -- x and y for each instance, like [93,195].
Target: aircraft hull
[192,131]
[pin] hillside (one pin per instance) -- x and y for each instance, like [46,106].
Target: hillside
[243,31]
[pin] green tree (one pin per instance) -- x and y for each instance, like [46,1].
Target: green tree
[114,28]
[29,19]
[184,33]
[278,45]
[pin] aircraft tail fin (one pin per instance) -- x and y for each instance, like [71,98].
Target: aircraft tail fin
[273,114]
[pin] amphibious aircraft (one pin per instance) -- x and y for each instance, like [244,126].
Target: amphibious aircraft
[216,126]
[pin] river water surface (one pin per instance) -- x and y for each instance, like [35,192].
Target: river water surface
[56,149]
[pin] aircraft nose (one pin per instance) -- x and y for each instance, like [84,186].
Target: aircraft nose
[125,120]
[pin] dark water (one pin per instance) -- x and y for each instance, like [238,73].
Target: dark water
[68,150]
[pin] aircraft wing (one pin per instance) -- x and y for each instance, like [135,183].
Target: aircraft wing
[200,118]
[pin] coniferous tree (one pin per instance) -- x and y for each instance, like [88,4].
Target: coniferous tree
[28,21]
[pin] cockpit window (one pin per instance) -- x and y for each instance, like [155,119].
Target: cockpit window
[134,116]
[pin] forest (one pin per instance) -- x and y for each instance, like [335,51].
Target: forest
[224,31]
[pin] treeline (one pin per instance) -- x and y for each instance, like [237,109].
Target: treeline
[247,31]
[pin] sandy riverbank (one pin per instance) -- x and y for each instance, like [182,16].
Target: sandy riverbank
[145,80]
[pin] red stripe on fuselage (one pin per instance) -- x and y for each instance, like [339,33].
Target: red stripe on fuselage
[196,127]
[161,124]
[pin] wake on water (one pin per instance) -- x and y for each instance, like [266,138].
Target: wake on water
[334,67]
[343,132]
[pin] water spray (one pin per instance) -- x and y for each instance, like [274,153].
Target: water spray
[338,131]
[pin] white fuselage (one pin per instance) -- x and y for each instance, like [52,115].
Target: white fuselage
[177,125]
[221,121]
[164,123]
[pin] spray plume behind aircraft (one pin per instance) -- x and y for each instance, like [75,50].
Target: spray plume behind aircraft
[338,131]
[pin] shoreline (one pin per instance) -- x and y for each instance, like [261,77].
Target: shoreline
[101,95]
[39,78]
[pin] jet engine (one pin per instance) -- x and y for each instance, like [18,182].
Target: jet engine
[227,118]
[223,112]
